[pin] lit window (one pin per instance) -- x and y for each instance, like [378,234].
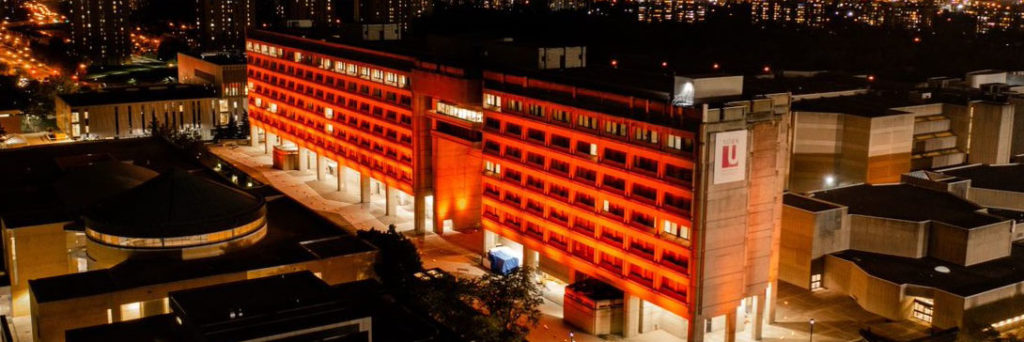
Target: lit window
[492,102]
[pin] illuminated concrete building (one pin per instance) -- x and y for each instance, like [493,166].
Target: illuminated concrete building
[99,30]
[914,251]
[225,72]
[294,306]
[222,23]
[101,232]
[132,112]
[666,187]
[876,136]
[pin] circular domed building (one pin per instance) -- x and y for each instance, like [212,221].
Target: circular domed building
[171,213]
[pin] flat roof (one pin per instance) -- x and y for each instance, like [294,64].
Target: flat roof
[801,85]
[29,175]
[289,224]
[391,54]
[1006,177]
[109,96]
[295,303]
[219,58]
[909,203]
[806,203]
[870,105]
[961,281]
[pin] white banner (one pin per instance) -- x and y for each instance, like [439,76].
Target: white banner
[730,156]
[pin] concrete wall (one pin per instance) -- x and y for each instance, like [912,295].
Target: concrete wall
[949,243]
[886,236]
[989,243]
[457,183]
[991,198]
[817,142]
[991,132]
[31,253]
[807,236]
[891,141]
[874,295]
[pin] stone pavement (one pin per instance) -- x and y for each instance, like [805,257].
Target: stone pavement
[837,317]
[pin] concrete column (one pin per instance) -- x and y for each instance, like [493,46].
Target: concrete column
[730,326]
[773,300]
[419,213]
[630,316]
[757,323]
[390,201]
[321,166]
[364,188]
[339,176]
[531,259]
[303,158]
[254,136]
[490,240]
[695,329]
[269,142]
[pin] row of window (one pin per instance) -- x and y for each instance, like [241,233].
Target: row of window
[648,164]
[365,108]
[585,198]
[366,154]
[338,66]
[582,250]
[294,79]
[649,193]
[617,128]
[361,140]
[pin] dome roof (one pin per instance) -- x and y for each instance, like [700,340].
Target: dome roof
[87,185]
[174,204]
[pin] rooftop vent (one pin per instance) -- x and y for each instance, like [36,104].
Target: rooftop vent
[942,269]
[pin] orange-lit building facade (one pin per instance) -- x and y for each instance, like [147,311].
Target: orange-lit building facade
[669,190]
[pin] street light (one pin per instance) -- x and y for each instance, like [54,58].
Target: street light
[812,329]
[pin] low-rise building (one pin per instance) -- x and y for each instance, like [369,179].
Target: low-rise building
[101,232]
[132,112]
[223,71]
[905,252]
[294,306]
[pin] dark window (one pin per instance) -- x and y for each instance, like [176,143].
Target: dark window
[560,141]
[645,192]
[513,152]
[614,182]
[514,129]
[645,164]
[535,159]
[677,173]
[493,123]
[615,156]
[535,135]
[585,174]
[677,202]
[559,166]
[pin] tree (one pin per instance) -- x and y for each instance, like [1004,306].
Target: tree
[511,301]
[397,260]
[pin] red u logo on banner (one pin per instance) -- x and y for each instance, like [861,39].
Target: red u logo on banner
[729,157]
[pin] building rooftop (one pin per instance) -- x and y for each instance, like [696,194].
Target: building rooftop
[298,304]
[962,281]
[1006,177]
[909,203]
[30,178]
[390,54]
[174,204]
[290,228]
[870,105]
[138,94]
[219,58]
[802,85]
[807,203]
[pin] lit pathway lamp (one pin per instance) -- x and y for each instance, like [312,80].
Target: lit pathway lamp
[811,322]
